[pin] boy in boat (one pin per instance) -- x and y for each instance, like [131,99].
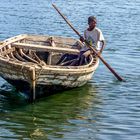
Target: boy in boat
[94,37]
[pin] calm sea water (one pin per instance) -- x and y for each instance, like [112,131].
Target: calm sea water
[103,109]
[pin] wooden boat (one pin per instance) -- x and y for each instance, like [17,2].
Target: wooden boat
[28,62]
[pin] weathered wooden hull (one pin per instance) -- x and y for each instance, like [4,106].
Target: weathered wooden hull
[26,75]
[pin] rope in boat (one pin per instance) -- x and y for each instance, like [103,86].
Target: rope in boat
[39,72]
[33,78]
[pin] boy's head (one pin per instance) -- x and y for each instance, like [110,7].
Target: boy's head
[92,22]
[92,19]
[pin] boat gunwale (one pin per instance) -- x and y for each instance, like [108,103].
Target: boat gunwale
[48,67]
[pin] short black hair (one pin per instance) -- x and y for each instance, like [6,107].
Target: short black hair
[92,18]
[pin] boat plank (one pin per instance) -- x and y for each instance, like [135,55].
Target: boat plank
[45,48]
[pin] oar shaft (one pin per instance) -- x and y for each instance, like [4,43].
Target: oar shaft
[111,69]
[99,56]
[66,20]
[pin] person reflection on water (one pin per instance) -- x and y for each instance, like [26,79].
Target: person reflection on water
[94,37]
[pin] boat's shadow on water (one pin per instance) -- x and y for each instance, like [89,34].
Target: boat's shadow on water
[14,96]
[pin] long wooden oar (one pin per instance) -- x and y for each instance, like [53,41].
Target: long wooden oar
[99,56]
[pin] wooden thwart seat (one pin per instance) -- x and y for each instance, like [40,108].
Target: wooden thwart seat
[45,48]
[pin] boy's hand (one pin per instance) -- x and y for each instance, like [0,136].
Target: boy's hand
[82,39]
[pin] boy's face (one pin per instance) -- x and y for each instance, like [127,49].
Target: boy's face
[92,24]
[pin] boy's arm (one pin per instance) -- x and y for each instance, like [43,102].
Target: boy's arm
[103,46]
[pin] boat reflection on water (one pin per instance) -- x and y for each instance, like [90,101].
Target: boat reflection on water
[54,116]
